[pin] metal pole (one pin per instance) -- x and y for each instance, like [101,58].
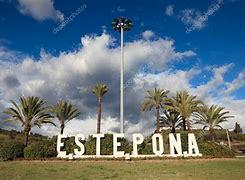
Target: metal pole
[121,85]
[228,138]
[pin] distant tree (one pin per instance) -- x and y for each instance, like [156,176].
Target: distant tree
[30,112]
[65,112]
[99,90]
[185,105]
[155,99]
[171,119]
[237,129]
[211,118]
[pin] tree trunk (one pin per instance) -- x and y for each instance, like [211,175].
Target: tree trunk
[99,114]
[212,134]
[62,126]
[158,119]
[26,135]
[188,125]
[184,124]
[173,130]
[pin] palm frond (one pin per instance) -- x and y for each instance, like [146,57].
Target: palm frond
[30,111]
[65,111]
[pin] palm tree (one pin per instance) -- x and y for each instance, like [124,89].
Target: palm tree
[171,119]
[155,99]
[31,111]
[64,111]
[99,90]
[185,105]
[211,118]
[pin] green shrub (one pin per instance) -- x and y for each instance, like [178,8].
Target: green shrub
[208,149]
[106,145]
[145,148]
[211,149]
[237,137]
[69,145]
[39,150]
[11,151]
[90,146]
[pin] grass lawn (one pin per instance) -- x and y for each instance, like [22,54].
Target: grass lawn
[141,169]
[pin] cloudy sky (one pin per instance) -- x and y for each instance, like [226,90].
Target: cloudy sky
[58,50]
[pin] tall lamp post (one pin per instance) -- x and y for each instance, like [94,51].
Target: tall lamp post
[121,24]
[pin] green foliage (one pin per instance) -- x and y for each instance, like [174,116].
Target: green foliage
[185,104]
[90,146]
[155,99]
[171,119]
[146,146]
[106,145]
[45,149]
[69,145]
[208,149]
[211,149]
[237,137]
[100,89]
[211,116]
[65,111]
[11,151]
[31,111]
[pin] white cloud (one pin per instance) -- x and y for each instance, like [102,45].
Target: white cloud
[215,84]
[196,20]
[119,9]
[169,10]
[8,56]
[211,92]
[63,76]
[237,83]
[40,10]
[98,60]
[147,34]
[165,80]
[235,107]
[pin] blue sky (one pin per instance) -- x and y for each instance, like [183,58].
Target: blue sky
[213,30]
[222,40]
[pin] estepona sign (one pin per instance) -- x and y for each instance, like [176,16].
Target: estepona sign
[157,146]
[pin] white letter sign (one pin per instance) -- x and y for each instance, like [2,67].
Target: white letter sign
[175,144]
[117,144]
[61,154]
[192,145]
[137,139]
[98,137]
[154,144]
[79,144]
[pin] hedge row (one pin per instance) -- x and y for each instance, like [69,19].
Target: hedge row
[47,148]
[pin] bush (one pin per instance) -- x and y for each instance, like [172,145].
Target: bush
[106,145]
[11,151]
[39,150]
[211,149]
[237,137]
[208,149]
